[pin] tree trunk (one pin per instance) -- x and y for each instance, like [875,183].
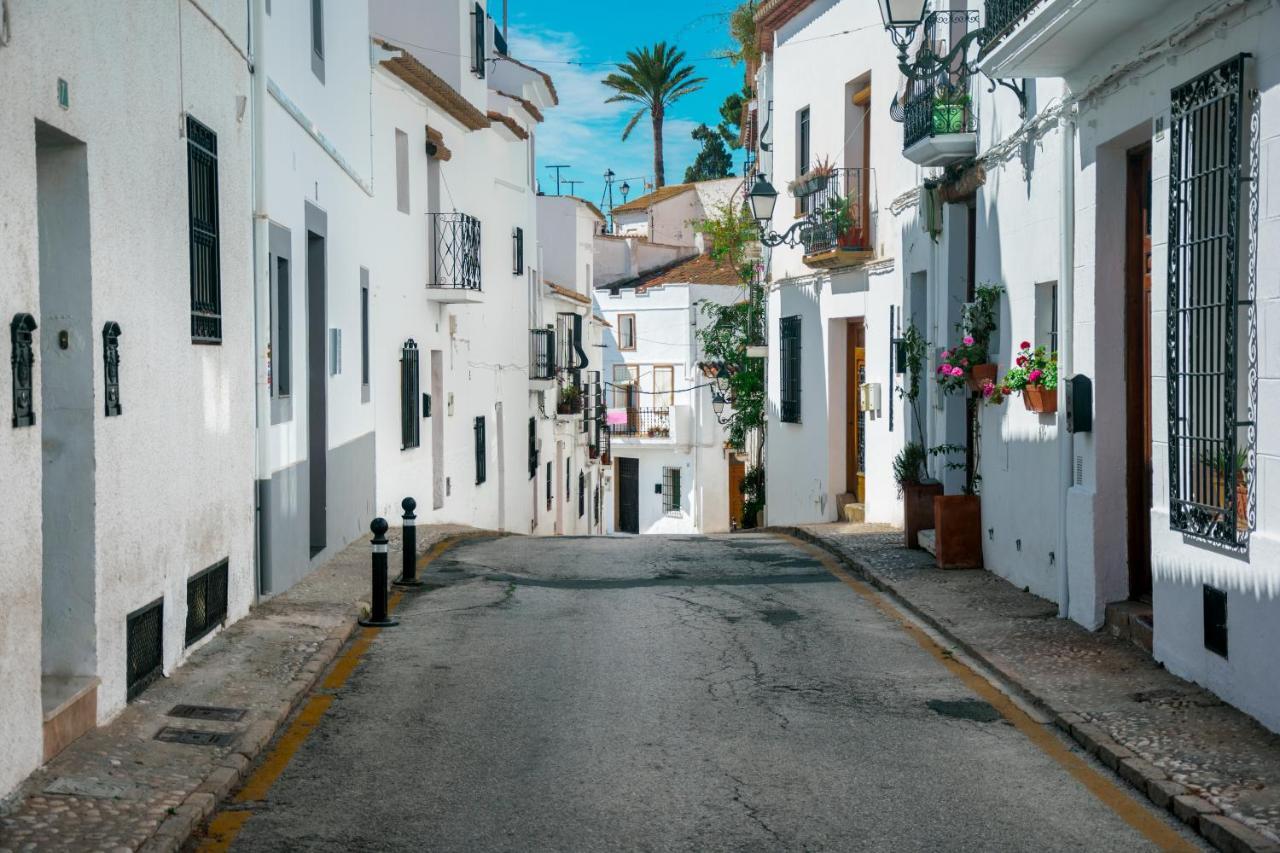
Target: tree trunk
[659,165]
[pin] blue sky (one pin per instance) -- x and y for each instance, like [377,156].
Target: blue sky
[575,43]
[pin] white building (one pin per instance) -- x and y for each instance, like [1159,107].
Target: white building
[671,466]
[1093,212]
[126,527]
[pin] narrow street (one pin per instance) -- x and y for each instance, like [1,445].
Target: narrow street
[679,693]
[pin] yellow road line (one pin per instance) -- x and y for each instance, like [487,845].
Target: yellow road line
[226,824]
[1125,805]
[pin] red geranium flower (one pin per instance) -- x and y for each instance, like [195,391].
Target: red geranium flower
[1026,345]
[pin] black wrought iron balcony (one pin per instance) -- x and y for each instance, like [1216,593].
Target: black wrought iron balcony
[1001,16]
[455,251]
[542,354]
[838,209]
[939,121]
[644,423]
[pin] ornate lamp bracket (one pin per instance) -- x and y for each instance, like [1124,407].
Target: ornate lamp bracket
[1019,89]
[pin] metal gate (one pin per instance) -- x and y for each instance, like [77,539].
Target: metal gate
[628,495]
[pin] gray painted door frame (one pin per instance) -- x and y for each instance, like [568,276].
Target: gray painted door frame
[317,375]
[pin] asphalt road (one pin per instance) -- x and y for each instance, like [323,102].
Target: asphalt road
[677,693]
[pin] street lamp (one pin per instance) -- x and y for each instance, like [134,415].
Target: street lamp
[717,404]
[762,199]
[901,17]
[624,189]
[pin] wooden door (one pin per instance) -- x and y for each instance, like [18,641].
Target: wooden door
[628,495]
[855,424]
[737,473]
[1137,320]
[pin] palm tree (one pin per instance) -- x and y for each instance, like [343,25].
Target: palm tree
[653,77]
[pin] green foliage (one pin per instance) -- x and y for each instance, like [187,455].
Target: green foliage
[915,350]
[1031,367]
[713,161]
[909,464]
[975,328]
[654,78]
[728,232]
[742,26]
[752,487]
[731,117]
[980,316]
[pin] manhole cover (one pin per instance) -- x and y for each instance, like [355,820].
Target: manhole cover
[194,737]
[964,709]
[208,712]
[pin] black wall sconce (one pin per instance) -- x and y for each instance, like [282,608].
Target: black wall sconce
[111,365]
[21,361]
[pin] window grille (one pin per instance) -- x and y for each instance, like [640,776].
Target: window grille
[670,489]
[22,357]
[568,473]
[533,447]
[550,493]
[789,363]
[542,354]
[455,252]
[517,251]
[144,647]
[1206,474]
[202,201]
[596,507]
[364,327]
[410,427]
[206,601]
[582,494]
[111,367]
[480,450]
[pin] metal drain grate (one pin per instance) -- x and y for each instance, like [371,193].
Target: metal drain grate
[169,734]
[208,712]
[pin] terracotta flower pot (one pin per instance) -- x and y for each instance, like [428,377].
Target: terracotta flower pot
[957,520]
[917,509]
[979,375]
[1242,503]
[1037,399]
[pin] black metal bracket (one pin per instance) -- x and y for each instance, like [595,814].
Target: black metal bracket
[1012,86]
[790,237]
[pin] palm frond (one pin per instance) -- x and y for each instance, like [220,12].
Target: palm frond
[631,125]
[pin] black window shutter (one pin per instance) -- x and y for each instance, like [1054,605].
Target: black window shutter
[480,448]
[789,363]
[517,251]
[409,423]
[533,447]
[202,199]
[582,494]
[478,45]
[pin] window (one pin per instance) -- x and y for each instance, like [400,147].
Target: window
[206,601]
[663,386]
[582,494]
[568,472]
[671,490]
[480,450]
[626,331]
[364,332]
[596,504]
[626,378]
[802,142]
[202,198]
[789,365]
[1205,475]
[144,647]
[565,356]
[517,251]
[478,41]
[282,349]
[550,493]
[533,447]
[409,425]
[317,38]
[402,171]
[1047,316]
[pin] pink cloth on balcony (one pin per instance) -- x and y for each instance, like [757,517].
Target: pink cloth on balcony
[616,417]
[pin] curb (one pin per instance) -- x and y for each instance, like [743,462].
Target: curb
[1224,833]
[227,775]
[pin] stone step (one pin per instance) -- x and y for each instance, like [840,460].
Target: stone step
[1132,621]
[929,541]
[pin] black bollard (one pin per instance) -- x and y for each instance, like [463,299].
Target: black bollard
[378,617]
[409,573]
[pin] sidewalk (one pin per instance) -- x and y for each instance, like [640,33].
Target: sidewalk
[1214,766]
[119,789]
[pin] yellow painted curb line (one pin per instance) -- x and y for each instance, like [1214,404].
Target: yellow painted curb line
[1112,796]
[226,823]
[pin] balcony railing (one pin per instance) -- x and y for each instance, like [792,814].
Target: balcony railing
[644,423]
[839,213]
[455,256]
[542,354]
[1001,16]
[940,104]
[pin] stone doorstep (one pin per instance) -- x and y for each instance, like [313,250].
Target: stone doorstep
[1224,833]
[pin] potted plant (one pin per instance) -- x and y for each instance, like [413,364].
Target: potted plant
[965,366]
[813,180]
[914,486]
[957,519]
[752,487]
[1034,375]
[1218,465]
[570,402]
[950,110]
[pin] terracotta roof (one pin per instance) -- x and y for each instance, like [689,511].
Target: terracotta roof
[436,138]
[551,86]
[433,87]
[772,15]
[591,207]
[567,293]
[700,269]
[512,124]
[528,106]
[645,202]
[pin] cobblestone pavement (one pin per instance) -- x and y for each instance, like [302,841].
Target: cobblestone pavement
[117,788]
[1185,734]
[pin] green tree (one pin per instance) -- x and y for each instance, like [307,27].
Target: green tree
[713,161]
[655,78]
[731,118]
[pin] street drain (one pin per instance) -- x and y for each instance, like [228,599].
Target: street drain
[194,737]
[964,709]
[208,712]
[780,617]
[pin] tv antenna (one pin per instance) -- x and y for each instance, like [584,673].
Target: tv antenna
[559,169]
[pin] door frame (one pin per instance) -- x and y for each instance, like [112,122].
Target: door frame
[624,462]
[855,357]
[1137,368]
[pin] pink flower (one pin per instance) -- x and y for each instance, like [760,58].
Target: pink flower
[1034,376]
[988,389]
[1022,359]
[965,362]
[968,340]
[957,371]
[941,367]
[1026,345]
[946,354]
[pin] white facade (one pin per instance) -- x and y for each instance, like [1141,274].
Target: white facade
[1051,207]
[105,515]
